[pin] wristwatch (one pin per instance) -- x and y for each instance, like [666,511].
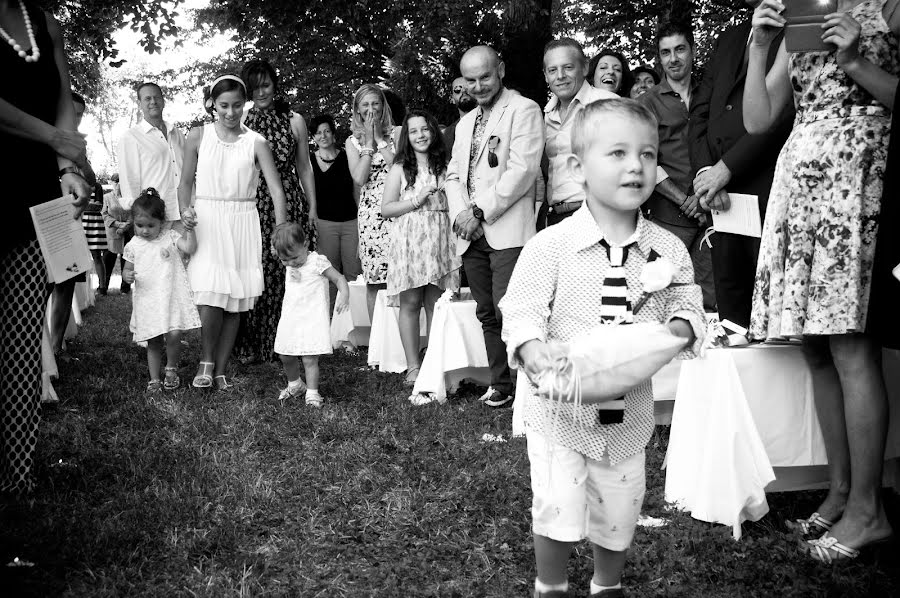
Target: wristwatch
[70,170]
[477,212]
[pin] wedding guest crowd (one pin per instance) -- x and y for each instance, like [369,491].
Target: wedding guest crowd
[409,206]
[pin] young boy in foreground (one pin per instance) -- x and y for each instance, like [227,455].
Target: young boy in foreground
[588,480]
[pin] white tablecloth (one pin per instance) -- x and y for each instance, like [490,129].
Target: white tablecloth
[739,416]
[352,328]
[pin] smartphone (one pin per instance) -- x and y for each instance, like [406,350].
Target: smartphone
[803,25]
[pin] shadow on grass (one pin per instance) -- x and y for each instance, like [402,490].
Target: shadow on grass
[207,494]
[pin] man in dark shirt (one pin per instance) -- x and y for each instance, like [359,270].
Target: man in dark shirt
[672,205]
[726,159]
[464,104]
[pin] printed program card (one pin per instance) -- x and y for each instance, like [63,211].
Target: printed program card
[742,218]
[61,238]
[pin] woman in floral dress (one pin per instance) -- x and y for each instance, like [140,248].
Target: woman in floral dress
[814,272]
[370,153]
[287,136]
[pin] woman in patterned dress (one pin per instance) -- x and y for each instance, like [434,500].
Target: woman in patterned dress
[370,153]
[815,265]
[287,136]
[42,152]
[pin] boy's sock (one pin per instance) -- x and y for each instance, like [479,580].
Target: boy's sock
[546,587]
[598,588]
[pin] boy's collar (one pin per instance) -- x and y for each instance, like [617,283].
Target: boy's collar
[588,233]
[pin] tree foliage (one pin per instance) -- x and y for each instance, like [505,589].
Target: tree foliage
[88,27]
[630,27]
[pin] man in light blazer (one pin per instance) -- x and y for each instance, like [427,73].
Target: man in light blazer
[490,189]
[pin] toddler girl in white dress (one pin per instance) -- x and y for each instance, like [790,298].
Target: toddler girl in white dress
[162,305]
[304,330]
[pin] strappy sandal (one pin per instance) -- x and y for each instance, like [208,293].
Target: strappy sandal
[204,378]
[222,383]
[827,549]
[811,528]
[411,375]
[172,380]
[154,386]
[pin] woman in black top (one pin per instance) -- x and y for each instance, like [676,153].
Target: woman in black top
[38,120]
[337,200]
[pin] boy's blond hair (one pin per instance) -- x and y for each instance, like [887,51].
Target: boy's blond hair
[586,128]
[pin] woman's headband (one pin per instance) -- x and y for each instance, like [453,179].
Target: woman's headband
[228,77]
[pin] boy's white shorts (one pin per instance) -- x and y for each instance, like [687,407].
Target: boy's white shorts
[576,497]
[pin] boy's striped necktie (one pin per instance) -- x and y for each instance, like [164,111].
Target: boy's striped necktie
[614,304]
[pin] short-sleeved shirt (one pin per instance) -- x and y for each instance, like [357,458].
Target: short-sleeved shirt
[560,186]
[555,294]
[674,149]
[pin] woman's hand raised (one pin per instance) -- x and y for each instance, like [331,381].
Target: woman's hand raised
[767,22]
[842,30]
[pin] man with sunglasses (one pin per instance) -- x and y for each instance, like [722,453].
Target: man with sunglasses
[490,188]
[464,104]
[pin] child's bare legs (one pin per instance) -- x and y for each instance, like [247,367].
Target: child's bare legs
[410,309]
[552,557]
[291,366]
[608,565]
[154,357]
[311,367]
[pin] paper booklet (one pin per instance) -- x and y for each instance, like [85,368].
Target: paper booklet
[742,218]
[61,238]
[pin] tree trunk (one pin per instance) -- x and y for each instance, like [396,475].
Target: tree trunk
[528,29]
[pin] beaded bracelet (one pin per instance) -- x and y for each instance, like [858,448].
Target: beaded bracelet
[366,151]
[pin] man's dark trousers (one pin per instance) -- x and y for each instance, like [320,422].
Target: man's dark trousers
[489,271]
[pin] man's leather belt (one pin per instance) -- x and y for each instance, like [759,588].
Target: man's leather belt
[565,207]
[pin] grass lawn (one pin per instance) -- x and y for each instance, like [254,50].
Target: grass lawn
[204,494]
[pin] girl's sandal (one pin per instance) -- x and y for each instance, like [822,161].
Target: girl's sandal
[204,378]
[172,380]
[222,383]
[154,386]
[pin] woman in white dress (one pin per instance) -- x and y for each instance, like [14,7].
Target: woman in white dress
[226,276]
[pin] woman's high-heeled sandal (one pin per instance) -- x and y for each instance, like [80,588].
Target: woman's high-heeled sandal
[204,378]
[222,383]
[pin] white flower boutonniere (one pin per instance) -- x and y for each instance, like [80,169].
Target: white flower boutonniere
[657,275]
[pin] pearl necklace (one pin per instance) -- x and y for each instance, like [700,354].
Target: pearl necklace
[35,52]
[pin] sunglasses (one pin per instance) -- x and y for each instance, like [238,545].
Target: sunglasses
[493,142]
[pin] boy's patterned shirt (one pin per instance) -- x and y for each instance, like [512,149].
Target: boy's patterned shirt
[554,294]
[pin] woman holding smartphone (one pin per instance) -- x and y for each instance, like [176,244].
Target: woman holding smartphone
[814,273]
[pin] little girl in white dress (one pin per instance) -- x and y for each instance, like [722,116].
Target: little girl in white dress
[162,305]
[304,330]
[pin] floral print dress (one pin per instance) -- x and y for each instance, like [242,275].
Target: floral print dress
[258,328]
[814,272]
[374,231]
[422,248]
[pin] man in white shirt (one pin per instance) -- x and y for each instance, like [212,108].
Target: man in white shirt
[150,154]
[565,70]
[490,189]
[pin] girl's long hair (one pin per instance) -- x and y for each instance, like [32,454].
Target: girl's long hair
[437,151]
[356,122]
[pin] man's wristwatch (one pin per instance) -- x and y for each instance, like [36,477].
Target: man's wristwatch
[477,212]
[70,170]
